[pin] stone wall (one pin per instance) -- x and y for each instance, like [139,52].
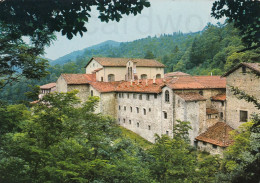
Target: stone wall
[247,82]
[194,112]
[83,91]
[61,85]
[210,148]
[221,107]
[140,115]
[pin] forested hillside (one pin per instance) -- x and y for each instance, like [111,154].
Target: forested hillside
[213,50]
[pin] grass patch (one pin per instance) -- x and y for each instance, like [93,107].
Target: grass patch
[145,144]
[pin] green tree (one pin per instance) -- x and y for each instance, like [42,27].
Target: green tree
[149,55]
[244,15]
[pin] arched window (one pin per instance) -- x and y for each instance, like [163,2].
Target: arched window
[111,77]
[167,96]
[158,76]
[143,76]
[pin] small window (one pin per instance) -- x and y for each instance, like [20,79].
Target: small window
[221,115]
[119,95]
[144,111]
[167,132]
[165,115]
[131,109]
[130,122]
[124,120]
[150,109]
[222,103]
[102,79]
[209,116]
[111,77]
[155,96]
[204,143]
[119,107]
[167,96]
[158,76]
[143,76]
[147,97]
[195,143]
[137,110]
[138,124]
[134,96]
[243,116]
[128,95]
[244,70]
[122,95]
[125,108]
[214,146]
[149,127]
[91,93]
[201,92]
[140,97]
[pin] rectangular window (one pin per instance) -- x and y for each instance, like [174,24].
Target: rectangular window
[155,96]
[131,109]
[137,110]
[119,107]
[244,70]
[147,97]
[167,132]
[125,108]
[221,115]
[140,97]
[128,95]
[130,122]
[134,96]
[119,95]
[222,103]
[137,124]
[124,120]
[214,146]
[165,115]
[149,127]
[144,111]
[243,116]
[150,109]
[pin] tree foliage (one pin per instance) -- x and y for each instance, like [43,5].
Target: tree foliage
[245,16]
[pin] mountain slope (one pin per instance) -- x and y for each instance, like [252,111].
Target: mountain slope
[73,55]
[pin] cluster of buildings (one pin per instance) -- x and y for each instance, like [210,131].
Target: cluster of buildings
[143,99]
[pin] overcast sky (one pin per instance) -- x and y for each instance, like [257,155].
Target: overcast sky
[164,16]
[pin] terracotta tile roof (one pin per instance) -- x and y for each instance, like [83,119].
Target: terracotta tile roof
[127,86]
[211,111]
[197,82]
[217,134]
[253,66]
[121,62]
[48,86]
[174,74]
[78,79]
[219,97]
[191,96]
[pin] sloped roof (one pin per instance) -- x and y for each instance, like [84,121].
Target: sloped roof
[218,134]
[211,111]
[219,97]
[191,96]
[48,86]
[197,82]
[253,66]
[174,74]
[121,62]
[127,86]
[78,79]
